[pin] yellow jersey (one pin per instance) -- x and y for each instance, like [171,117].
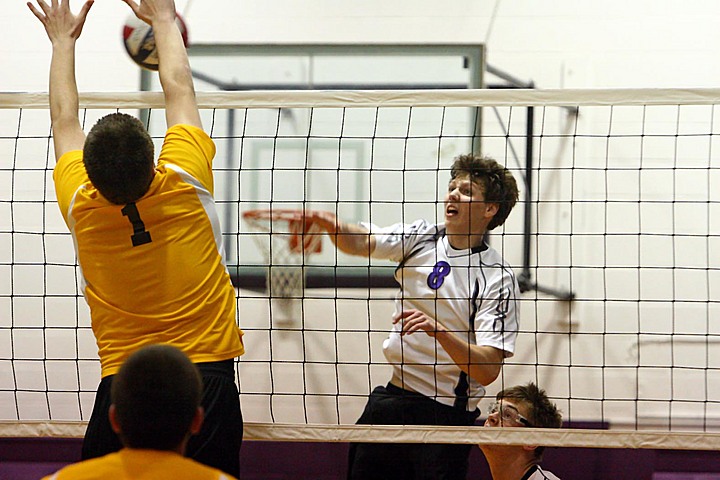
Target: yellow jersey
[139,464]
[152,271]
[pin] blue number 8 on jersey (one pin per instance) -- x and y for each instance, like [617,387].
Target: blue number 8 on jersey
[437,277]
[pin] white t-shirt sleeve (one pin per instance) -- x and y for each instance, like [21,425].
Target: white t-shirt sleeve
[397,241]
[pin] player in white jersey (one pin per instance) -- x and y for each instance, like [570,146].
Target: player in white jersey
[520,406]
[455,319]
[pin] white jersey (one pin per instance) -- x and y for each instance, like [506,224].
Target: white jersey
[470,292]
[537,473]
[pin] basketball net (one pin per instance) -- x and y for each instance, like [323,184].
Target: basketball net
[291,239]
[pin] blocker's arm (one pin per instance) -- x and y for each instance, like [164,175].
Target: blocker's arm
[63,29]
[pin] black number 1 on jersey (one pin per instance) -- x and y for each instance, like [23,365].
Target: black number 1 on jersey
[140,236]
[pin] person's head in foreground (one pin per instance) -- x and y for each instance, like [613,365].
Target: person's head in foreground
[156,399]
[519,406]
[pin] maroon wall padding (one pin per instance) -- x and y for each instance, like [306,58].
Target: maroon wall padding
[31,458]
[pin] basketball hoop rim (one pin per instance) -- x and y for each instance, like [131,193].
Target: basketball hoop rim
[304,234]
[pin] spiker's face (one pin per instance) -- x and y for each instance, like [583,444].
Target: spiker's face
[466,212]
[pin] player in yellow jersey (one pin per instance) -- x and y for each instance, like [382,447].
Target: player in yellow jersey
[147,236]
[155,408]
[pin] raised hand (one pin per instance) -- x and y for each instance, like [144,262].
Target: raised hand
[59,22]
[151,10]
[327,221]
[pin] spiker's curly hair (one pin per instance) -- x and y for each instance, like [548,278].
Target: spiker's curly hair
[542,412]
[119,158]
[498,183]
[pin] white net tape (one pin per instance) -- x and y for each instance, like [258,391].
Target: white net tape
[279,432]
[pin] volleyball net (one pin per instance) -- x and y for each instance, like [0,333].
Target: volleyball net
[614,240]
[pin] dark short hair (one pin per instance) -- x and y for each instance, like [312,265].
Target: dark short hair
[156,394]
[119,158]
[542,413]
[498,183]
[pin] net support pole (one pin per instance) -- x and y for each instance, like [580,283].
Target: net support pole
[525,279]
[230,254]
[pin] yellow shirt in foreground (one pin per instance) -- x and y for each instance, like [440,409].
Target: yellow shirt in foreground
[137,464]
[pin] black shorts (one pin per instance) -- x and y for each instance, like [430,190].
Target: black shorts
[392,405]
[218,442]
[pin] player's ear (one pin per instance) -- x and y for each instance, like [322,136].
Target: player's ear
[529,448]
[112,415]
[197,421]
[491,209]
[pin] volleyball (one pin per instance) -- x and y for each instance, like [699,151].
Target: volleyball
[139,41]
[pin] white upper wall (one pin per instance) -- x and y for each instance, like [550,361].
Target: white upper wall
[563,43]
